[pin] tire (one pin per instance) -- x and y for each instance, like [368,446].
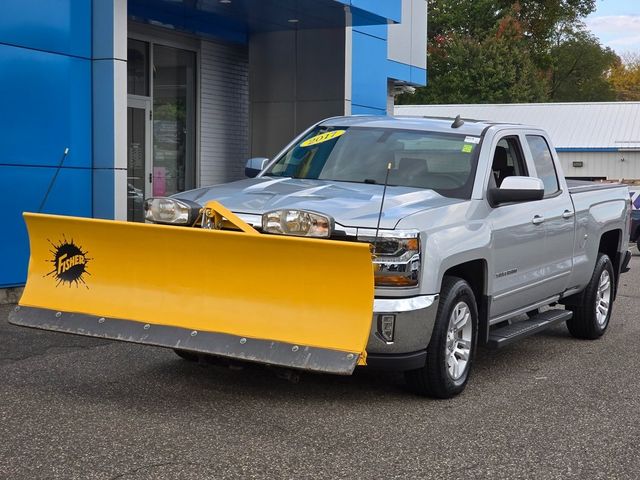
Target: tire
[440,378]
[591,314]
[186,355]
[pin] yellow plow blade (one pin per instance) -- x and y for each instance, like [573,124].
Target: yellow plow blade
[295,302]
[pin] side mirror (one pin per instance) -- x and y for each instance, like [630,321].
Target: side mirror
[254,166]
[516,189]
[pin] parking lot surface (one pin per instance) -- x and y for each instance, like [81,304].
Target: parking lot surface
[548,407]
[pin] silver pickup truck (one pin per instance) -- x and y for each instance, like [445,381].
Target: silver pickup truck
[478,237]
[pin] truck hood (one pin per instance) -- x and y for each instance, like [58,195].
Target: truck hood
[350,204]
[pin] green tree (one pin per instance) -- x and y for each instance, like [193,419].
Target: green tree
[579,69]
[624,78]
[482,51]
[496,70]
[538,20]
[472,18]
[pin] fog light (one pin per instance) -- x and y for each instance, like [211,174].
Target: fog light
[386,327]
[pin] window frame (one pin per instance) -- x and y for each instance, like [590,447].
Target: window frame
[558,191]
[518,150]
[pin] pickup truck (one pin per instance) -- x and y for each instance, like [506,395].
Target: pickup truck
[478,238]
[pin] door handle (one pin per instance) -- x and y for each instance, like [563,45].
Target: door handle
[537,219]
[567,214]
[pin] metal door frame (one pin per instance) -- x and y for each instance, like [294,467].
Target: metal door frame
[144,103]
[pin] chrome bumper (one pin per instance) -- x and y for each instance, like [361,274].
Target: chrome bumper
[414,320]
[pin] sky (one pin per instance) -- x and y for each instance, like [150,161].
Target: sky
[617,24]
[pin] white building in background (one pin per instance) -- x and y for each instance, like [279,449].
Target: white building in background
[593,140]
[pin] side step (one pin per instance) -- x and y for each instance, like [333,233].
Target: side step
[504,336]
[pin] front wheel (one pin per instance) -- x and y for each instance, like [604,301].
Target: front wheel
[453,341]
[592,313]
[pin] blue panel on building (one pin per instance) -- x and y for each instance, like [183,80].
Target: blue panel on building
[23,189]
[418,76]
[62,26]
[369,75]
[391,9]
[189,19]
[399,71]
[46,107]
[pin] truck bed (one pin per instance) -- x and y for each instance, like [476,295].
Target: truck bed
[579,186]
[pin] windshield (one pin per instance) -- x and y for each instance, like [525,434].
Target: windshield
[444,162]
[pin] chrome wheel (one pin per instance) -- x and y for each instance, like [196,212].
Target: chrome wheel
[458,345]
[603,298]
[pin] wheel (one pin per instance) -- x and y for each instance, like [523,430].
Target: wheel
[186,355]
[453,342]
[592,313]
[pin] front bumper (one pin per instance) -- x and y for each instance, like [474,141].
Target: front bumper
[414,321]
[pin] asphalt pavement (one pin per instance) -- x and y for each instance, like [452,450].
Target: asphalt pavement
[548,407]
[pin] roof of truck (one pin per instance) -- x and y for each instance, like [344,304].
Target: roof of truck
[434,124]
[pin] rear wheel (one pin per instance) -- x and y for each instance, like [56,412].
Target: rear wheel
[452,347]
[186,355]
[592,312]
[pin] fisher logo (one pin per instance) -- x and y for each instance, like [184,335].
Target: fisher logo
[69,263]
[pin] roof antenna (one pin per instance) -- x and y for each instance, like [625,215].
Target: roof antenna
[384,193]
[458,122]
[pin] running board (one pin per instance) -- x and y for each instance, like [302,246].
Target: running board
[504,336]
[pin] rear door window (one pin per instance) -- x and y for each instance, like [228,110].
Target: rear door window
[543,160]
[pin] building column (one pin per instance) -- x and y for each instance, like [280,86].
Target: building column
[296,78]
[109,85]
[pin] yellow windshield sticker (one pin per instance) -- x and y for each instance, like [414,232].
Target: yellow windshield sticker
[323,137]
[467,148]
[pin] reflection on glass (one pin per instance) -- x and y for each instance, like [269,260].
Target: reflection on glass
[135,163]
[173,120]
[137,67]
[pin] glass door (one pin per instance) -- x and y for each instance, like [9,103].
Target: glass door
[161,116]
[139,177]
[174,119]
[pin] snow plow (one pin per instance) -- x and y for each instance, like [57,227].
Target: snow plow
[293,302]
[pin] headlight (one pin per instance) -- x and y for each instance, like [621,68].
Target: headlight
[299,223]
[397,259]
[171,211]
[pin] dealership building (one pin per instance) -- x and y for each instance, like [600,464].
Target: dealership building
[106,102]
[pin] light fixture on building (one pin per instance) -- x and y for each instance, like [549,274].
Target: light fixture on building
[578,164]
[293,20]
[401,87]
[226,2]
